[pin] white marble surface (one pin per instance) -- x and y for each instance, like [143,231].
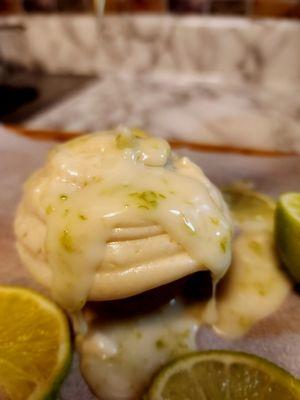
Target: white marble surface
[183,107]
[263,51]
[225,81]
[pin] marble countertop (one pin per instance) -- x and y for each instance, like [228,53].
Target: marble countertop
[183,107]
[224,81]
[263,51]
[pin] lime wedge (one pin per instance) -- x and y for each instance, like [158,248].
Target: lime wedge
[287,232]
[35,351]
[223,375]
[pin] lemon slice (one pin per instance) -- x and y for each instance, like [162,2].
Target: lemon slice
[287,232]
[223,375]
[35,351]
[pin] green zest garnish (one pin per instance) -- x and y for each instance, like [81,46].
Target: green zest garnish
[123,141]
[255,247]
[63,197]
[160,344]
[49,210]
[138,334]
[224,244]
[148,199]
[214,221]
[129,138]
[67,241]
[138,133]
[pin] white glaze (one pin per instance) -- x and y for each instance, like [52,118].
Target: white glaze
[252,289]
[255,285]
[119,358]
[92,186]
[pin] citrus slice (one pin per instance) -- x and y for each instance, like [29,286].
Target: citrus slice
[35,350]
[287,232]
[245,204]
[223,375]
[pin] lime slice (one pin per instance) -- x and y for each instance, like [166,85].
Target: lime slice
[287,232]
[35,351]
[246,204]
[223,375]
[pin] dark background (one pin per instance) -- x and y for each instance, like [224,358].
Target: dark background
[263,8]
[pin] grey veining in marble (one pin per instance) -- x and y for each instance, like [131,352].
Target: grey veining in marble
[220,81]
[185,108]
[263,51]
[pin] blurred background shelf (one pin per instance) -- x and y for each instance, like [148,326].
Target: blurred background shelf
[257,8]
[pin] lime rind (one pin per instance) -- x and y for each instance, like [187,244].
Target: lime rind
[291,203]
[287,232]
[274,372]
[60,377]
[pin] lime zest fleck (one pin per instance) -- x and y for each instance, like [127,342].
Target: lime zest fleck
[145,207]
[96,179]
[185,334]
[93,179]
[262,290]
[63,197]
[123,141]
[224,244]
[214,221]
[138,334]
[160,344]
[245,322]
[111,190]
[255,246]
[66,241]
[139,134]
[49,209]
[147,199]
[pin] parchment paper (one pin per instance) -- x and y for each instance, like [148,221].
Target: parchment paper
[276,338]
